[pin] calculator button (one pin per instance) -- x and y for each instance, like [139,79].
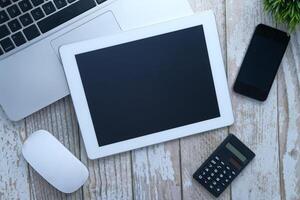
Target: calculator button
[222,163]
[214,183]
[233,172]
[200,177]
[218,189]
[221,175]
[229,177]
[203,173]
[211,187]
[226,180]
[219,167]
[215,170]
[227,167]
[213,162]
[224,171]
[206,169]
[217,158]
[217,179]
[208,178]
[212,174]
[210,166]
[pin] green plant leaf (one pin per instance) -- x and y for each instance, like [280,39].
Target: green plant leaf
[284,11]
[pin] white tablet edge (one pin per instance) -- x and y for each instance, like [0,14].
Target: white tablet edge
[68,53]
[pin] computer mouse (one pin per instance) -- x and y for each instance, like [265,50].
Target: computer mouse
[54,162]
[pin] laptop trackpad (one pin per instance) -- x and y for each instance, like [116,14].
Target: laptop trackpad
[102,25]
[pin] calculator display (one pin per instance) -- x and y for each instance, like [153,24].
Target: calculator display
[238,154]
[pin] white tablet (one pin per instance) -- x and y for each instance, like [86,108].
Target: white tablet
[148,85]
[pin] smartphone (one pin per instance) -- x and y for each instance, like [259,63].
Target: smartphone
[261,62]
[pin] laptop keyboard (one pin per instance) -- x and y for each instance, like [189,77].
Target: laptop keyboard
[25,20]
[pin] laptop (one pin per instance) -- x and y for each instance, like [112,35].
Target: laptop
[31,32]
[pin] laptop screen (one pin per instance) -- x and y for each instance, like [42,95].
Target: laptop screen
[150,85]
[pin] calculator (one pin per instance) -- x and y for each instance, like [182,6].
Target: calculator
[223,165]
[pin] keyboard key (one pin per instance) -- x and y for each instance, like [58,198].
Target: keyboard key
[37,14]
[37,2]
[100,1]
[7,44]
[4,31]
[14,25]
[65,15]
[4,3]
[3,17]
[60,3]
[18,39]
[25,5]
[48,8]
[31,32]
[13,11]
[26,19]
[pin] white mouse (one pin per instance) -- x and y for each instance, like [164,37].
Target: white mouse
[54,162]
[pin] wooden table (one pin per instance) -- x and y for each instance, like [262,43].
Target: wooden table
[271,129]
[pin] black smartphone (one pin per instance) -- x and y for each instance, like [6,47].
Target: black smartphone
[261,62]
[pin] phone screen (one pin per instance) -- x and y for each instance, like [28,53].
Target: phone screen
[261,62]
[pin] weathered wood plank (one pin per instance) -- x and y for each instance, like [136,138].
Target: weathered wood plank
[110,177]
[255,122]
[196,149]
[289,120]
[60,120]
[156,172]
[13,168]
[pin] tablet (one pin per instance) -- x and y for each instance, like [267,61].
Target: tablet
[148,85]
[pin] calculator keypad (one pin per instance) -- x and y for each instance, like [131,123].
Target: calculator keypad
[215,175]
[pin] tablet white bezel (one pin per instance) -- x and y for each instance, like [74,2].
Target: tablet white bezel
[68,53]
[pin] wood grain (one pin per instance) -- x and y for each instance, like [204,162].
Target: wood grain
[255,122]
[13,168]
[196,149]
[110,178]
[289,119]
[156,172]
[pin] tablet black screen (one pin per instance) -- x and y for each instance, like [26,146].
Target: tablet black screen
[149,85]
